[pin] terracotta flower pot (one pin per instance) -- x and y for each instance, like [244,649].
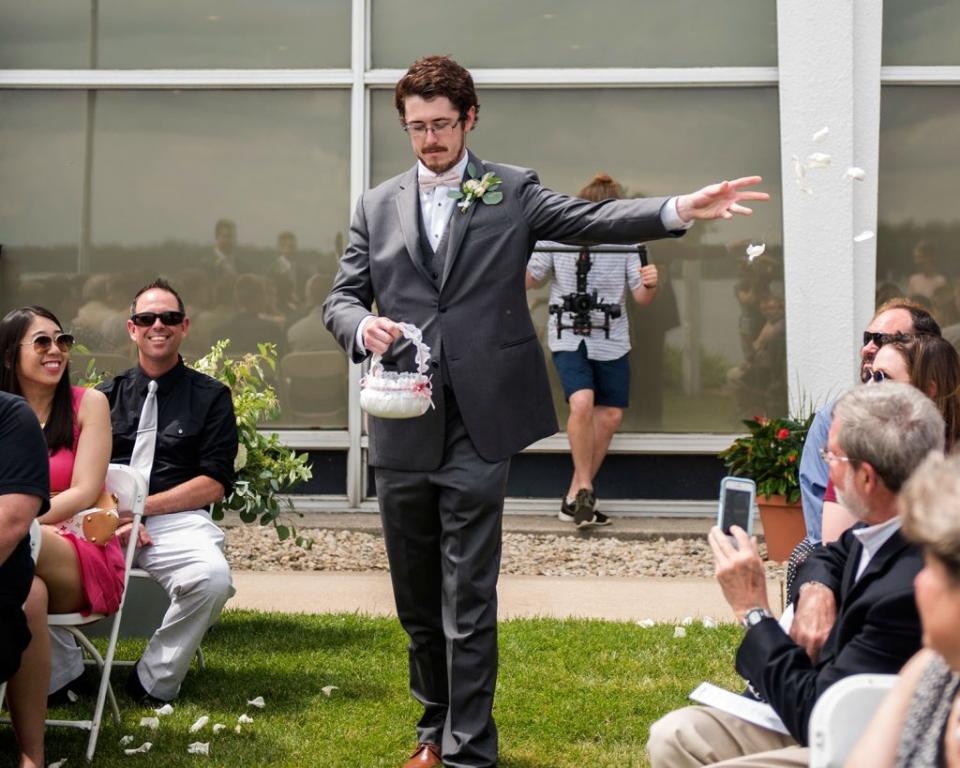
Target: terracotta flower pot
[783,526]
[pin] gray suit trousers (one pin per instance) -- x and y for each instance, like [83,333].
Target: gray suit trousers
[442,530]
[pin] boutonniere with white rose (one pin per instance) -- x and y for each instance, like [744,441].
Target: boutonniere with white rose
[485,188]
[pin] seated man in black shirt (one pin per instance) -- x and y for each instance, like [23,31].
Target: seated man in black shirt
[187,458]
[24,650]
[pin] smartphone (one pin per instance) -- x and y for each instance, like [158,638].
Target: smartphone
[737,498]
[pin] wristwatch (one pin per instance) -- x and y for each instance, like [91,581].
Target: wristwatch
[754,616]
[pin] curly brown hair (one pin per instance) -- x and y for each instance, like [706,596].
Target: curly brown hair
[601,187]
[433,76]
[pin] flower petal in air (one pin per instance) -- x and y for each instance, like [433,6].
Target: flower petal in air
[855,174]
[822,134]
[863,236]
[755,251]
[818,160]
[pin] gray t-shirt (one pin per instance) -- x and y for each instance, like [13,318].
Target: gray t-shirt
[609,274]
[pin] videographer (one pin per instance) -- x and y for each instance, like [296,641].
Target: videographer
[590,351]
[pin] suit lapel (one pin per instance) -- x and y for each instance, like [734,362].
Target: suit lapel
[408,207]
[460,221]
[877,565]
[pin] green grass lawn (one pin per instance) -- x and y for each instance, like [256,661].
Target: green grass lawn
[570,693]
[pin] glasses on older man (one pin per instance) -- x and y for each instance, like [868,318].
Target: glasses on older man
[437,127]
[42,343]
[879,339]
[827,455]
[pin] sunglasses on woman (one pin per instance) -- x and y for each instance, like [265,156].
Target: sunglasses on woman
[147,319]
[876,377]
[42,343]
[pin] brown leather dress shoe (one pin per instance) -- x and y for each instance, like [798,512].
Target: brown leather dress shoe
[425,756]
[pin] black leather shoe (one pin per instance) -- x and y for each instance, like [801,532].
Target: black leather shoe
[138,693]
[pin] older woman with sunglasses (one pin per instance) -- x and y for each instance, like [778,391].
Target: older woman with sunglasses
[929,363]
[80,576]
[918,723]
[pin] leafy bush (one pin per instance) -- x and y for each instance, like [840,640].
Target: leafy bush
[770,455]
[265,467]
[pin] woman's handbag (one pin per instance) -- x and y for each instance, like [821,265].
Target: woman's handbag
[97,524]
[394,395]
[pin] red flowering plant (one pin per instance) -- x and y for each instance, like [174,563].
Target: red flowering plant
[770,455]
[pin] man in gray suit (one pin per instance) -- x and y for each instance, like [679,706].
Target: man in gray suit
[456,271]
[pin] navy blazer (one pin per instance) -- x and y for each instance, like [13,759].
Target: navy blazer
[877,629]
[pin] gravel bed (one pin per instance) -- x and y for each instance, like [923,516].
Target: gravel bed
[258,549]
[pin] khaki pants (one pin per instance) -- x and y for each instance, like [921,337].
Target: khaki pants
[697,736]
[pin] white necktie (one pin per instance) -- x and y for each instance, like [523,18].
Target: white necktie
[143,449]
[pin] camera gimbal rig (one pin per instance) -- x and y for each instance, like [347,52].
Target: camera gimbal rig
[582,303]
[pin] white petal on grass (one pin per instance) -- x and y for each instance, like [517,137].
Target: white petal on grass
[217,727]
[646,623]
[145,747]
[244,719]
[258,702]
[165,710]
[328,689]
[200,722]
[755,251]
[58,764]
[863,236]
[199,748]
[820,135]
[687,621]
[72,697]
[818,160]
[679,632]
[150,722]
[237,729]
[128,739]
[855,174]
[709,623]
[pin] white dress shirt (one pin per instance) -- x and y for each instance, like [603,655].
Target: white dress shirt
[872,538]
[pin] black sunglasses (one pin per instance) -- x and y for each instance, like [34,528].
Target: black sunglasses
[147,319]
[879,339]
[876,376]
[42,343]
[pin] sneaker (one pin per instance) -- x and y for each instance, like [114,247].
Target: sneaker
[585,506]
[567,511]
[600,519]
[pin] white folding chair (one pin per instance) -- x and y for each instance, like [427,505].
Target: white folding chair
[841,715]
[131,490]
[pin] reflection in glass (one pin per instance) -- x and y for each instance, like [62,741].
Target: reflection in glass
[572,33]
[921,33]
[918,219]
[241,199]
[714,352]
[174,34]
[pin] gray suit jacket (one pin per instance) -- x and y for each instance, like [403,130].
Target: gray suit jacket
[478,319]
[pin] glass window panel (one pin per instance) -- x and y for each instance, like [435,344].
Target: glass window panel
[918,220]
[162,169]
[176,34]
[572,33]
[921,32]
[713,368]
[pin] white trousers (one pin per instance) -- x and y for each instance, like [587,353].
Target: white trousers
[696,736]
[186,559]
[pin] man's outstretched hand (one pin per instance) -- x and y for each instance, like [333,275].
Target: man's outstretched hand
[720,201]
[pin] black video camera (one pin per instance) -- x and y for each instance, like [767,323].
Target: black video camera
[583,303]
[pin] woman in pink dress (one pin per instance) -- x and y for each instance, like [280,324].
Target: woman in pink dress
[80,576]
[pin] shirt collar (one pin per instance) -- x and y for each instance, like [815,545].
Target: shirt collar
[873,537]
[460,167]
[165,382]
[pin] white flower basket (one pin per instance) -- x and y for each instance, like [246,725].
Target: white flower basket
[395,395]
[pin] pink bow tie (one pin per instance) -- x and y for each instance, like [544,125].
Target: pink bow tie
[446,179]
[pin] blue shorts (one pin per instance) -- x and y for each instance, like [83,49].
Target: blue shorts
[609,379]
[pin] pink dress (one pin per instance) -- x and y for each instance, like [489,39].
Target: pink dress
[101,568]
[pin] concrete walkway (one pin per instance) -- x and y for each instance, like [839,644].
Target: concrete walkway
[615,599]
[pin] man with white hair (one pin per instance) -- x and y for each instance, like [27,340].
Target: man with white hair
[878,437]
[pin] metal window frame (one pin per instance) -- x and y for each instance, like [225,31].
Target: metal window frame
[361,79]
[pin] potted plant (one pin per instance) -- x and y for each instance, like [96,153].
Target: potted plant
[770,456]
